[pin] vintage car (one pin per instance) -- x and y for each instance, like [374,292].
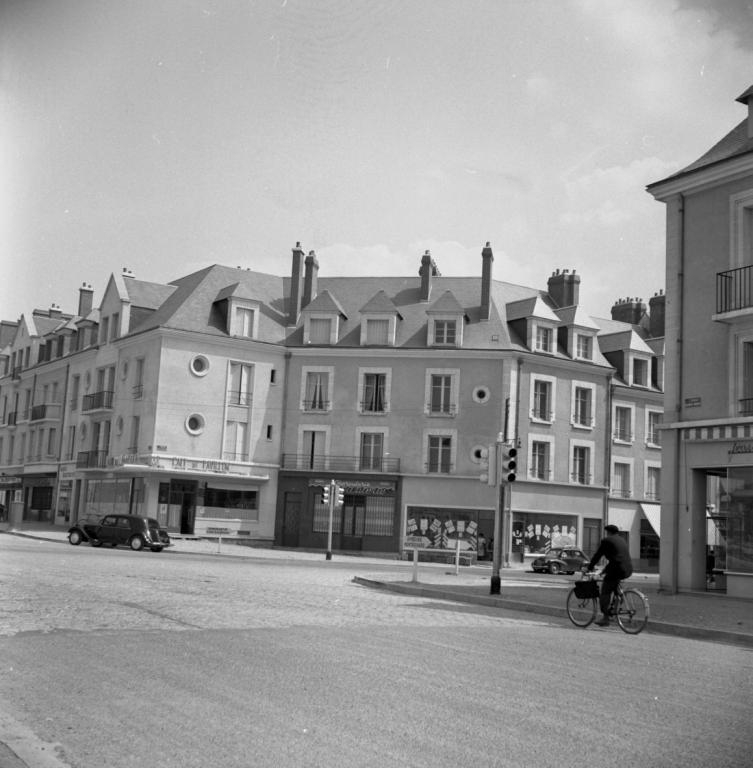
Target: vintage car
[132,530]
[559,560]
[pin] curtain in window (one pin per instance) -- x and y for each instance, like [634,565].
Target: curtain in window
[371,450]
[316,391]
[373,392]
[377,331]
[240,384]
[319,330]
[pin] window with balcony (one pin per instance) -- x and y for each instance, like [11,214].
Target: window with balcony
[439,454]
[236,441]
[133,443]
[540,462]
[745,402]
[374,392]
[653,482]
[653,434]
[582,406]
[240,385]
[623,424]
[138,379]
[371,451]
[621,479]
[581,464]
[442,401]
[316,394]
[542,399]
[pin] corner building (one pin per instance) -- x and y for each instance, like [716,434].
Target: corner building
[224,402]
[707,444]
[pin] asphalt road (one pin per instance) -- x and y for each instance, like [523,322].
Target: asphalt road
[117,658]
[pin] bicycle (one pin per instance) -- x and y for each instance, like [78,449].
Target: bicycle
[628,606]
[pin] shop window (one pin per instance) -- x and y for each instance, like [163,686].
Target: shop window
[536,533]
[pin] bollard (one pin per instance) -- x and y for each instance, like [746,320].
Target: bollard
[457,556]
[415,566]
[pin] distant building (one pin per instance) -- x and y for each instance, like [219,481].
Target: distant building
[225,402]
[707,444]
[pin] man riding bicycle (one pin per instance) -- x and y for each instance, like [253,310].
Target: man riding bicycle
[619,566]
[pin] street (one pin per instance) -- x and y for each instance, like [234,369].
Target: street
[119,658]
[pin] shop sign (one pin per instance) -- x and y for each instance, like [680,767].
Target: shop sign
[9,481]
[172,462]
[736,448]
[363,487]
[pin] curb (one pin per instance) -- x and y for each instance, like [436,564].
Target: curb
[654,627]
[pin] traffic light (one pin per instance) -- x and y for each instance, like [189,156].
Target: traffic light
[488,463]
[509,463]
[339,495]
[325,494]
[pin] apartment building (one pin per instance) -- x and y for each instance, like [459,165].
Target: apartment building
[707,444]
[225,402]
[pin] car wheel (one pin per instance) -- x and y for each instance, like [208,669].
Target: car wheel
[157,549]
[96,543]
[137,543]
[554,569]
[75,538]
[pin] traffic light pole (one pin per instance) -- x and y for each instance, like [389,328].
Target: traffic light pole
[331,505]
[496,581]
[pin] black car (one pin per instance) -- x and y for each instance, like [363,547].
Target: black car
[135,531]
[559,560]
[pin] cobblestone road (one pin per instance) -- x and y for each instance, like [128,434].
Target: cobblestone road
[104,589]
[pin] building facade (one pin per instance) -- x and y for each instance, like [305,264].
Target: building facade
[225,402]
[707,444]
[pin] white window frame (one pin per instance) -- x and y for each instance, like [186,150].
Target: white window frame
[362,372]
[305,371]
[552,335]
[552,381]
[390,332]
[591,445]
[451,433]
[647,361]
[457,320]
[237,325]
[591,387]
[539,438]
[649,412]
[360,431]
[333,326]
[623,493]
[741,228]
[590,338]
[454,374]
[648,465]
[631,407]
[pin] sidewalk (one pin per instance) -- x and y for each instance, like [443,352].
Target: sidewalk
[699,615]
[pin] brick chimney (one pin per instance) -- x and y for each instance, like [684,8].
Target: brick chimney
[629,310]
[747,98]
[656,308]
[487,259]
[310,279]
[296,285]
[85,300]
[426,272]
[564,288]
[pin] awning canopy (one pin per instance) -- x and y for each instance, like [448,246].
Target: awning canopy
[653,515]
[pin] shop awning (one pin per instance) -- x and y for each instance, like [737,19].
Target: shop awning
[653,515]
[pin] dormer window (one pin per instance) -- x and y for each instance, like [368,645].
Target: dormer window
[584,346]
[640,372]
[544,339]
[244,322]
[444,332]
[318,330]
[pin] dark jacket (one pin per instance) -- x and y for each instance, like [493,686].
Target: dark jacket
[615,549]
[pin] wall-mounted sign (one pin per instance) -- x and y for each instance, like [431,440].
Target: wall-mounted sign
[692,402]
[741,448]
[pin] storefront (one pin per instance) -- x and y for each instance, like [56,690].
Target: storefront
[445,531]
[187,496]
[366,521]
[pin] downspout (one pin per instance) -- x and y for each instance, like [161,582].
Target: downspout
[60,443]
[678,432]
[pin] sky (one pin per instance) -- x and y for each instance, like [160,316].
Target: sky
[163,136]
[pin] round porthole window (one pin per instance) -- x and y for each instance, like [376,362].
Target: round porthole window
[199,365]
[195,423]
[481,394]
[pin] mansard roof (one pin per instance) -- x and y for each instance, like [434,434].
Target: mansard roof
[379,303]
[325,302]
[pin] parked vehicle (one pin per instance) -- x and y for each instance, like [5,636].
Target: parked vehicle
[560,560]
[132,530]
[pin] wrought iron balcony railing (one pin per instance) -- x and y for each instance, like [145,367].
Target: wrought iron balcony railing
[734,289]
[746,406]
[97,400]
[340,463]
[91,460]
[45,411]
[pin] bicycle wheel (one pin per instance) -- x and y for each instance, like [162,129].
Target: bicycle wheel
[581,610]
[632,615]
